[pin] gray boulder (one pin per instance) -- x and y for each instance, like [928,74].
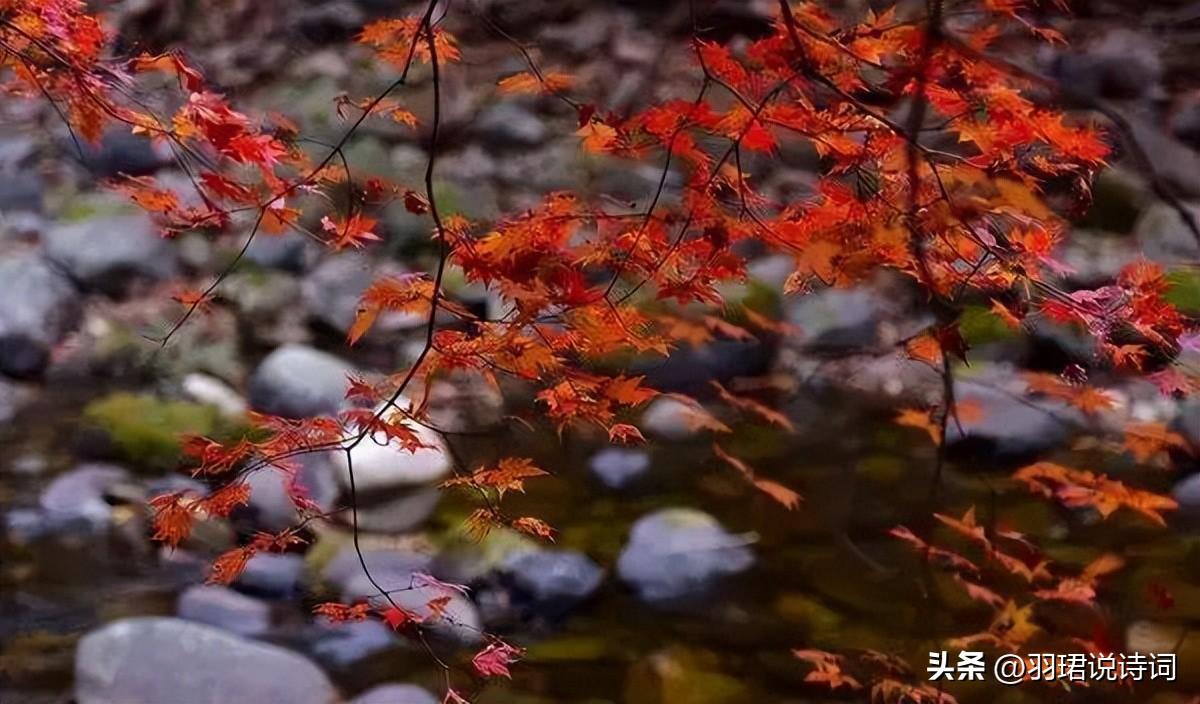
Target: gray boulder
[332,291]
[553,580]
[395,694]
[158,660]
[678,553]
[38,306]
[1164,237]
[107,253]
[297,381]
[1009,426]
[836,319]
[392,569]
[226,609]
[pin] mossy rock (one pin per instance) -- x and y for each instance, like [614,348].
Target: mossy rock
[572,649]
[820,622]
[680,675]
[147,431]
[979,326]
[1184,290]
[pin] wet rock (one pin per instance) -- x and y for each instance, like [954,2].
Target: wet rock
[380,464]
[341,646]
[1187,495]
[271,507]
[1187,424]
[38,305]
[509,124]
[459,624]
[836,319]
[79,494]
[296,381]
[144,430]
[395,694]
[271,575]
[398,514]
[155,660]
[226,609]
[467,560]
[1096,260]
[1174,163]
[1008,426]
[618,467]
[288,251]
[211,391]
[20,190]
[691,368]
[392,569]
[121,152]
[672,418]
[553,581]
[12,398]
[678,553]
[332,291]
[1164,237]
[107,253]
[883,381]
[1121,63]
[557,166]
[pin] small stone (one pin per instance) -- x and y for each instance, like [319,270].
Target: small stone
[1164,237]
[678,553]
[226,609]
[399,514]
[390,568]
[341,646]
[38,306]
[836,319]
[271,575]
[671,418]
[379,464]
[619,468]
[554,580]
[1009,427]
[80,494]
[107,253]
[296,381]
[271,505]
[510,125]
[211,391]
[395,694]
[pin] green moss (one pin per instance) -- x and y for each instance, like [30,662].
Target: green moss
[979,326]
[682,676]
[884,469]
[570,649]
[819,621]
[146,430]
[1184,291]
[87,207]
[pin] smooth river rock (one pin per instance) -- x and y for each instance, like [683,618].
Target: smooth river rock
[160,660]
